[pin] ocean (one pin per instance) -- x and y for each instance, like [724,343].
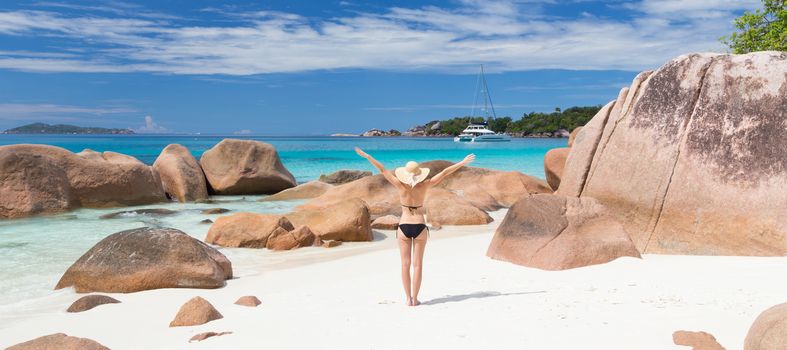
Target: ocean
[36,251]
[308,157]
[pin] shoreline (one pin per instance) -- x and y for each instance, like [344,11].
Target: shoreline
[251,262]
[316,300]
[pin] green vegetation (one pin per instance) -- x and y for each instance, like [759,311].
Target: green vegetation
[42,128]
[529,124]
[763,30]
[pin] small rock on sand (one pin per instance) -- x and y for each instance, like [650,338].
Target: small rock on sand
[206,335]
[195,312]
[331,244]
[58,341]
[248,300]
[697,340]
[90,301]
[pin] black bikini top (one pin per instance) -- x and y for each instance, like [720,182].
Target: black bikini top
[412,208]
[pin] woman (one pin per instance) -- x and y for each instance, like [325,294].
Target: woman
[412,183]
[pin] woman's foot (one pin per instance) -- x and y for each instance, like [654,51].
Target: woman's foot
[414,302]
[409,301]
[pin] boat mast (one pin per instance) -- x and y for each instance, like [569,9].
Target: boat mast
[475,93]
[483,88]
[488,97]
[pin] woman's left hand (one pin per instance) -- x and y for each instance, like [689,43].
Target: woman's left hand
[361,153]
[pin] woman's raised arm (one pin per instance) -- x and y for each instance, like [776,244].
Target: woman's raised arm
[451,169]
[386,173]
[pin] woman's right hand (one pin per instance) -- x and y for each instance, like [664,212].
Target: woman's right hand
[470,157]
[361,153]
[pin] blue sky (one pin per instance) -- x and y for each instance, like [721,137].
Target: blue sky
[320,67]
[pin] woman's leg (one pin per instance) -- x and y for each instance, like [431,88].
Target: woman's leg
[419,244]
[405,246]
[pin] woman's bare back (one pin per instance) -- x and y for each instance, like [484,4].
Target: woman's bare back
[412,200]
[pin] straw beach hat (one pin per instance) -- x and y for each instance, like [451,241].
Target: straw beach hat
[411,174]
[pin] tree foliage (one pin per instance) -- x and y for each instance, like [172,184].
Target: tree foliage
[761,30]
[568,119]
[530,123]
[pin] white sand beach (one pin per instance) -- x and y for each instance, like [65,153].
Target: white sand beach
[350,297]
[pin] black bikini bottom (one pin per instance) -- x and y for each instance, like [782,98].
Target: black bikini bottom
[412,230]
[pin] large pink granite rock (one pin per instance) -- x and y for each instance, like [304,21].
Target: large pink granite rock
[691,158]
[181,174]
[38,179]
[235,167]
[147,258]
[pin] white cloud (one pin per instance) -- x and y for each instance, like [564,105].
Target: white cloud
[691,8]
[21,111]
[150,127]
[505,35]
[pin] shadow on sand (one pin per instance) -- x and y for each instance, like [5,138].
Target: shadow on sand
[476,295]
[378,236]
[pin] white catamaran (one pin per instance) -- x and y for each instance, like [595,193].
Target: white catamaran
[478,132]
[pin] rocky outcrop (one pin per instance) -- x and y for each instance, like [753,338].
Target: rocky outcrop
[554,163]
[214,211]
[250,230]
[380,196]
[235,167]
[444,207]
[147,258]
[88,302]
[481,189]
[195,312]
[38,179]
[388,222]
[696,340]
[555,233]
[248,300]
[690,158]
[584,147]
[769,330]
[436,126]
[418,130]
[573,135]
[247,230]
[109,157]
[181,174]
[308,190]
[561,133]
[301,236]
[58,341]
[152,212]
[348,220]
[378,132]
[488,189]
[331,244]
[344,176]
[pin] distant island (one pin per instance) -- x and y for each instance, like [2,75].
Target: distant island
[43,128]
[535,124]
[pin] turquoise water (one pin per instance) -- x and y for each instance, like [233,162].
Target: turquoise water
[308,157]
[36,251]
